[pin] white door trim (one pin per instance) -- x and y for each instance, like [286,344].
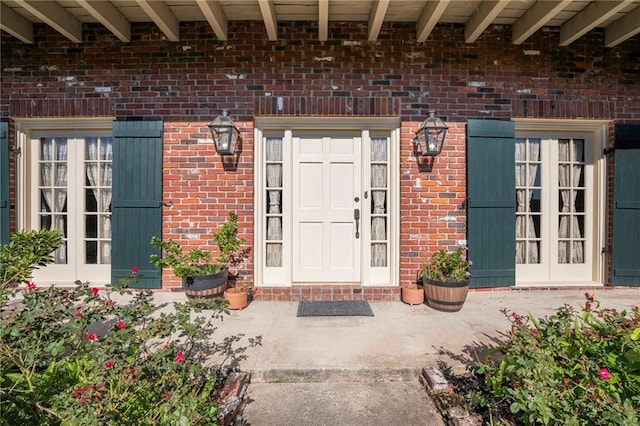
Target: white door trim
[284,127]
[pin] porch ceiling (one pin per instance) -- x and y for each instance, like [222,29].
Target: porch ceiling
[620,19]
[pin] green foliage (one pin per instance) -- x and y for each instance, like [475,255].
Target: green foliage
[447,265]
[85,356]
[571,368]
[198,261]
[26,251]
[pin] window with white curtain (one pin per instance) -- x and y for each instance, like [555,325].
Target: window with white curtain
[53,213]
[571,189]
[274,169]
[379,202]
[97,211]
[529,200]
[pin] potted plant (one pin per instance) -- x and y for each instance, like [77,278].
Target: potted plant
[237,295]
[412,294]
[203,276]
[446,279]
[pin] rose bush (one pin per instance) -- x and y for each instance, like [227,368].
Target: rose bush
[88,357]
[571,368]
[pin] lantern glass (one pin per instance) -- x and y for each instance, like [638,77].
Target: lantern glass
[225,134]
[430,136]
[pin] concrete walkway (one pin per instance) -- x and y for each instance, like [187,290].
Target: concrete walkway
[364,370]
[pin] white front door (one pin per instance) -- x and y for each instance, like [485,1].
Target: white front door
[327,216]
[556,208]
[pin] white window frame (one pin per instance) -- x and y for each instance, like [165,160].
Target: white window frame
[598,131]
[26,131]
[285,126]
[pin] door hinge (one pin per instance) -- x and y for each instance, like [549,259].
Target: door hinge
[606,250]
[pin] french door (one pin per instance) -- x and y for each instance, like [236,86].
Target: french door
[69,189]
[555,208]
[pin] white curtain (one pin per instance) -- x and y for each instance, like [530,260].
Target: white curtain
[526,172]
[99,173]
[274,196]
[55,155]
[569,176]
[378,195]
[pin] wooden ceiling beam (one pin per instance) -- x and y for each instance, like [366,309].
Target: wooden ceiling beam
[16,24]
[623,29]
[269,17]
[105,13]
[216,18]
[376,18]
[54,15]
[535,18]
[590,17]
[429,17]
[163,17]
[482,18]
[323,20]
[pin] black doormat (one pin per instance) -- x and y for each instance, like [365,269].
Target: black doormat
[340,308]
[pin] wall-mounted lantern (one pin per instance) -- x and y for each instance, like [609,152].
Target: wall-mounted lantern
[430,136]
[225,134]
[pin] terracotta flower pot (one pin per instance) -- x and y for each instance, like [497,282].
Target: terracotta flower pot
[237,299]
[413,295]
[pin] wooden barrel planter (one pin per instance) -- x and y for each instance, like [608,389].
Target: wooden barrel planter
[447,296]
[205,287]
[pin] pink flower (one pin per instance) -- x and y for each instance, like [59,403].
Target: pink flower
[121,325]
[110,363]
[92,336]
[94,291]
[31,286]
[165,345]
[134,269]
[78,313]
[179,357]
[604,374]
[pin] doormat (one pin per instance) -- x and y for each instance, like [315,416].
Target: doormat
[338,308]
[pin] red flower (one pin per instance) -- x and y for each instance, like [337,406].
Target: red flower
[31,286]
[78,313]
[134,269]
[604,374]
[92,336]
[110,363]
[121,325]
[179,357]
[94,291]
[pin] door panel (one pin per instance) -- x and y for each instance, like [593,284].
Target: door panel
[626,213]
[327,180]
[4,183]
[491,204]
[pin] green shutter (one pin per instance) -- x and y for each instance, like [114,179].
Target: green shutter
[4,183]
[626,208]
[137,192]
[491,204]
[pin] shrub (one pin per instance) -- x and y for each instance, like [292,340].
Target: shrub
[81,356]
[447,265]
[571,368]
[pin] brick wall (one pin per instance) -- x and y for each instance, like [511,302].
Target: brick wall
[187,83]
